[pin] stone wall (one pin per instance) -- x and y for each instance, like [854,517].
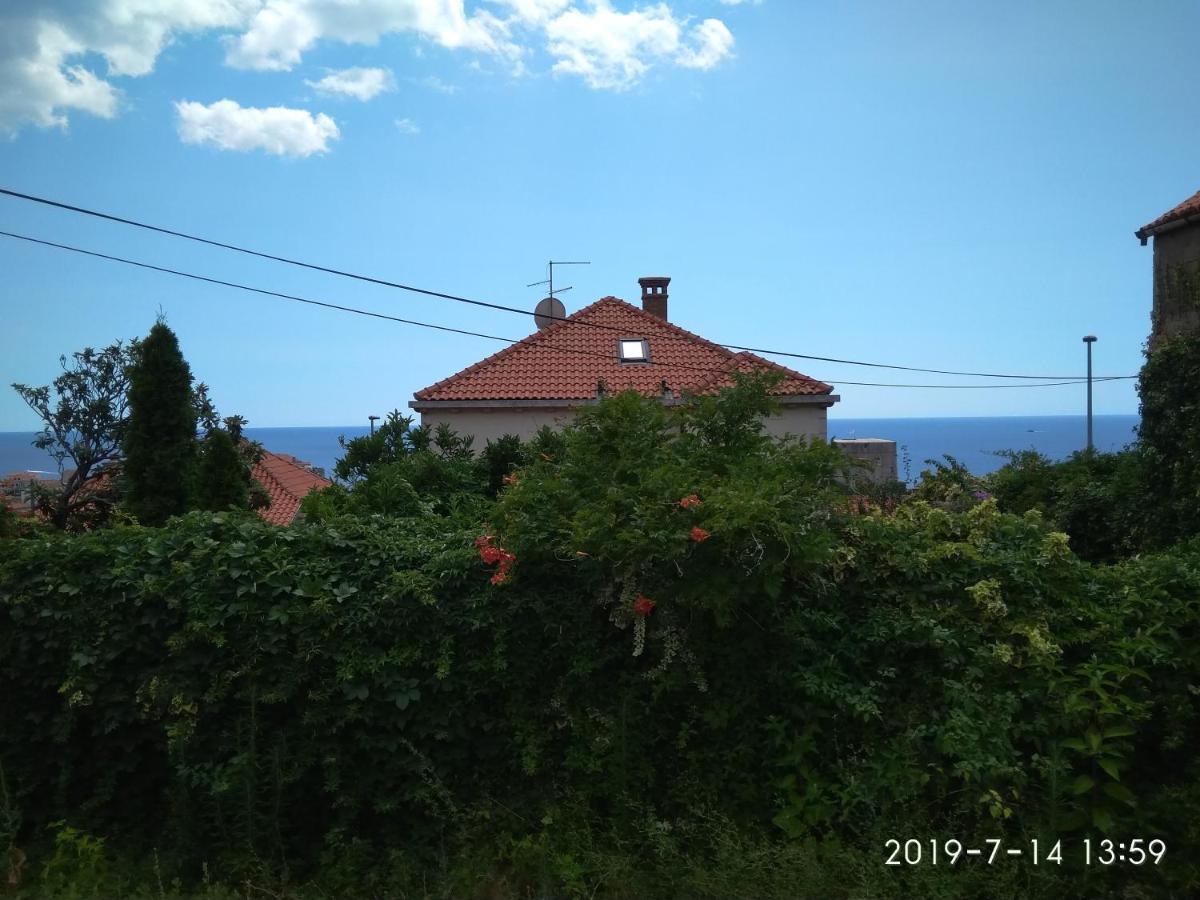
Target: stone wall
[1176,282]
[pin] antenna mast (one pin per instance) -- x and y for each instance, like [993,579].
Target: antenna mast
[550,281]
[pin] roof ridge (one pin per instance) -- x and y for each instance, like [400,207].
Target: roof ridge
[551,352]
[1188,207]
[500,354]
[790,372]
[266,469]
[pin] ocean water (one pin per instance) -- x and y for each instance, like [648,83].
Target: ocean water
[973,441]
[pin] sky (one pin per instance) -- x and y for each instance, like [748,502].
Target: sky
[934,184]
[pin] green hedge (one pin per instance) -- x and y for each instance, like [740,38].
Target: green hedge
[659,628]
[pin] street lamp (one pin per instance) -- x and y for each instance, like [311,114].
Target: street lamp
[1089,340]
[375,418]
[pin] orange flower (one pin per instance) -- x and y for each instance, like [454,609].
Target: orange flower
[690,500]
[643,606]
[699,535]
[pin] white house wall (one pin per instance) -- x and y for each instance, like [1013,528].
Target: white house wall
[489,424]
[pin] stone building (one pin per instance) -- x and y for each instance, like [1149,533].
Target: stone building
[1176,236]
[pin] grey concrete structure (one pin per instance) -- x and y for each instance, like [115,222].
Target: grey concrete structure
[878,453]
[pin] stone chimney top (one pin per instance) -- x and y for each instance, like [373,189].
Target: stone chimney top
[654,295]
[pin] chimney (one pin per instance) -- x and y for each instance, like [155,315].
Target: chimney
[654,295]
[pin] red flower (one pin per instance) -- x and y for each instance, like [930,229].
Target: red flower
[495,556]
[643,606]
[699,535]
[691,500]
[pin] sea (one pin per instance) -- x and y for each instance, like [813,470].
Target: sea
[975,442]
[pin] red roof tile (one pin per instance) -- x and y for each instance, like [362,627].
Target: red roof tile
[1185,210]
[287,481]
[566,360]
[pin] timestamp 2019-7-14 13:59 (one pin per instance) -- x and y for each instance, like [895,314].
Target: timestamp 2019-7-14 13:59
[1101,851]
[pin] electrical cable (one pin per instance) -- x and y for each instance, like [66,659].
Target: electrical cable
[529,341]
[498,306]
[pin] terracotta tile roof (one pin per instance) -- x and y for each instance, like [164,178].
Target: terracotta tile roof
[566,360]
[15,493]
[1185,210]
[287,481]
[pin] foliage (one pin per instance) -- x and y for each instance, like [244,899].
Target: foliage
[1098,499]
[405,470]
[1169,435]
[223,479]
[83,414]
[950,483]
[159,441]
[697,675]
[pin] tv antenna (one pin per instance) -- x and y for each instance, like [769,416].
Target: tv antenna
[550,281]
[550,309]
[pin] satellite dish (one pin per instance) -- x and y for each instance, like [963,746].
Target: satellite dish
[548,311]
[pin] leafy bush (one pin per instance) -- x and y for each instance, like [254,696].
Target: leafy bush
[949,484]
[665,660]
[1169,434]
[1099,499]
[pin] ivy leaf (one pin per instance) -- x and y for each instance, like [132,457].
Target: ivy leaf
[1120,792]
[1082,784]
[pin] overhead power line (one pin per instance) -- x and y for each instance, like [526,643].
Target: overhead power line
[529,341]
[382,282]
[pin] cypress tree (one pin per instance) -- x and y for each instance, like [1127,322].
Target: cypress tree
[223,480]
[160,439]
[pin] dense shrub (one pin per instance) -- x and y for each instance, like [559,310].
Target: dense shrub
[1169,434]
[1099,499]
[667,661]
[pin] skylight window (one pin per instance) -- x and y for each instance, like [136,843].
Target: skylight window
[633,350]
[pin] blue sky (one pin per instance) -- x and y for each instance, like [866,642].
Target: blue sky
[932,184]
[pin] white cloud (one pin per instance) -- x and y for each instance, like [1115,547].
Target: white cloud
[607,47]
[408,126]
[535,12]
[282,30]
[613,50]
[713,42]
[42,75]
[740,2]
[436,84]
[62,57]
[277,129]
[361,84]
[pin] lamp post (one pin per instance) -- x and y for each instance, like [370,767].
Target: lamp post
[374,418]
[1089,340]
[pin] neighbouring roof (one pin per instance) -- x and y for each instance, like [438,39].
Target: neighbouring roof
[1188,209]
[15,490]
[567,359]
[287,481]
